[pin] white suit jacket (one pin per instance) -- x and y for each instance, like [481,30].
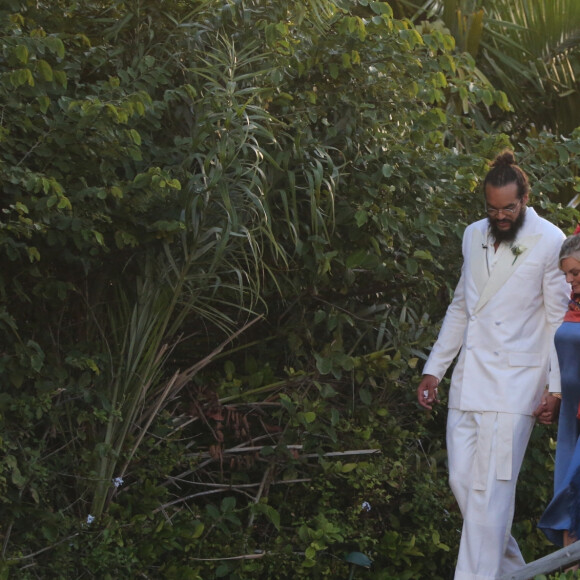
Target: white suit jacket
[504,323]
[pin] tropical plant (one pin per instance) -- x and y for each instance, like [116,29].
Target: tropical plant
[530,49]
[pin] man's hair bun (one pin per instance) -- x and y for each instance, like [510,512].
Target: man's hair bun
[506,157]
[504,171]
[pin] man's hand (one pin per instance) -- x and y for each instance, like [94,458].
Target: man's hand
[427,393]
[547,411]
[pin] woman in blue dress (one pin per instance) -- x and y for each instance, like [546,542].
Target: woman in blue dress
[561,520]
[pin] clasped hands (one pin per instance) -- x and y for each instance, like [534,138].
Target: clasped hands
[547,411]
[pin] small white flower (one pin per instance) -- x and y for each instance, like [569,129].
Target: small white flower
[118,481]
[366,506]
[516,251]
[90,519]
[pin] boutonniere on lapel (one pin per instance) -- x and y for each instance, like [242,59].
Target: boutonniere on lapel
[516,251]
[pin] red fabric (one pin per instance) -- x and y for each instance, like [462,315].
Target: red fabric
[573,313]
[577,230]
[572,316]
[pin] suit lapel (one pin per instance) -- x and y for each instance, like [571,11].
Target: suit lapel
[506,265]
[478,260]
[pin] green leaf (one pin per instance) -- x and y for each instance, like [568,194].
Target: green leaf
[228,504]
[43,102]
[323,364]
[273,516]
[136,138]
[487,97]
[33,254]
[355,260]
[198,529]
[422,255]
[99,238]
[222,571]
[45,70]
[20,77]
[358,559]
[348,467]
[21,53]
[55,45]
[412,266]
[387,170]
[381,8]
[17,478]
[60,78]
[365,396]
[326,390]
[361,216]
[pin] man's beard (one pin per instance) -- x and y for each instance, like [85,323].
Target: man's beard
[507,235]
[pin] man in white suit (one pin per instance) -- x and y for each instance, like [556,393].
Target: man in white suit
[508,303]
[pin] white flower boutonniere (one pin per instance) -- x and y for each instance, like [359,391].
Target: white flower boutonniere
[516,251]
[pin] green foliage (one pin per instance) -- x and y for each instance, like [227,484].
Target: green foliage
[227,233]
[527,48]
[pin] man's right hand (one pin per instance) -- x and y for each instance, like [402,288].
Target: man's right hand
[427,392]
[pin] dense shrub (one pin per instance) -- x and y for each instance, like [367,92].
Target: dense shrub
[228,232]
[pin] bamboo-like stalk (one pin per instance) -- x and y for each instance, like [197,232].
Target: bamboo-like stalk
[240,557]
[42,550]
[255,449]
[260,493]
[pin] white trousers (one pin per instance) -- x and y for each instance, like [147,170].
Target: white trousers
[485,453]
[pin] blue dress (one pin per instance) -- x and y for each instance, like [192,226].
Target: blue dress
[563,512]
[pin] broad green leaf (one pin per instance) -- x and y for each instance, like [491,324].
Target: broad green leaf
[381,8]
[412,266]
[359,559]
[323,364]
[228,504]
[45,70]
[17,478]
[365,396]
[422,255]
[55,45]
[33,254]
[136,138]
[43,102]
[21,53]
